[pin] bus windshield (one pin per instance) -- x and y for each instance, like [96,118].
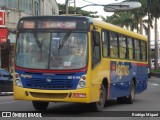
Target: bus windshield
[56,50]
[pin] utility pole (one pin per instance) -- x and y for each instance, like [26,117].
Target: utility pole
[75,6]
[149,34]
[67,1]
[156,45]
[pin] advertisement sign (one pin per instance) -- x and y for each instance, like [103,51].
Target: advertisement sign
[3,35]
[2,18]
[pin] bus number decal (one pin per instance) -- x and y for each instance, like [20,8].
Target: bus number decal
[74,77]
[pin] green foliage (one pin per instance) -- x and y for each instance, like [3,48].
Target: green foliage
[155,8]
[131,19]
[71,10]
[156,71]
[122,19]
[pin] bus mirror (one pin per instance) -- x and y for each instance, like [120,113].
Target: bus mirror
[8,46]
[96,38]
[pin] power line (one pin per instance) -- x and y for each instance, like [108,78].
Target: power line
[88,1]
[92,3]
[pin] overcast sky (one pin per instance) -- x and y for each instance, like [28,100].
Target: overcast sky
[99,9]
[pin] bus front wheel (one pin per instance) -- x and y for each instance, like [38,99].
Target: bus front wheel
[40,105]
[98,106]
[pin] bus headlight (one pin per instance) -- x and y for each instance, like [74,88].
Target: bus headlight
[18,83]
[82,82]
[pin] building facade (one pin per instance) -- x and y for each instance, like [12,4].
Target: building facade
[14,10]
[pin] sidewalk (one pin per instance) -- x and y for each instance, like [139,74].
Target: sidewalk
[155,74]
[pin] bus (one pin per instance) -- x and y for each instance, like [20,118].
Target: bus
[77,59]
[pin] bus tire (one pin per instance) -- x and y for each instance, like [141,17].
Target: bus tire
[131,97]
[98,106]
[128,99]
[40,105]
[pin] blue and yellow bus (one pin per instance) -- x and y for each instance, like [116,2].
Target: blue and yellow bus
[77,59]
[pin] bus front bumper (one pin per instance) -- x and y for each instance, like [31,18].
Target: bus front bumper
[78,95]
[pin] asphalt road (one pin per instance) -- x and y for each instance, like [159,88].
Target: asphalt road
[149,100]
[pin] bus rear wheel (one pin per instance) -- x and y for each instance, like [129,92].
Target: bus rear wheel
[128,99]
[98,106]
[40,105]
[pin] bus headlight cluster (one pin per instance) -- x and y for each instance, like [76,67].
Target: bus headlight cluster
[18,81]
[82,82]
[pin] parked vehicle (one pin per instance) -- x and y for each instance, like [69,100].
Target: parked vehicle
[149,73]
[153,64]
[6,81]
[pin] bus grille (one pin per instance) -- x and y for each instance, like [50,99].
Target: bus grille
[54,84]
[49,95]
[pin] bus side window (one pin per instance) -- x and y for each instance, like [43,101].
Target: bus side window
[113,45]
[105,44]
[122,47]
[137,49]
[96,56]
[143,51]
[130,47]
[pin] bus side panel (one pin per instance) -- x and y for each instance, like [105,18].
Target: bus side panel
[122,73]
[120,76]
[141,76]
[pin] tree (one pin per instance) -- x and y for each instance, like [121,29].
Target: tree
[155,12]
[71,10]
[130,19]
[122,19]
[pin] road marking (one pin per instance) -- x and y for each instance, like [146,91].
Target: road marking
[7,102]
[6,92]
[155,84]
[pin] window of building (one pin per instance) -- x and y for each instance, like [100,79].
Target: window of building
[130,48]
[2,2]
[9,3]
[113,45]
[122,47]
[25,6]
[105,43]
[37,7]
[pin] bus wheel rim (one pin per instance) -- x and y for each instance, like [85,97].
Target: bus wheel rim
[132,92]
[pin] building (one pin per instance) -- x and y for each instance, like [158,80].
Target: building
[12,10]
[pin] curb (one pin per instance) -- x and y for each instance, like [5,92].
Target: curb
[155,74]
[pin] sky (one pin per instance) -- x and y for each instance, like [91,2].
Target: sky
[99,9]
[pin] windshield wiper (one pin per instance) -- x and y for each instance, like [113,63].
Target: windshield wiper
[37,41]
[61,43]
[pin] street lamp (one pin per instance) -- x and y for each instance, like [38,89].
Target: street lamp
[114,7]
[122,6]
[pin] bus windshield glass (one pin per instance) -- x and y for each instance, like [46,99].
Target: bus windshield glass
[57,50]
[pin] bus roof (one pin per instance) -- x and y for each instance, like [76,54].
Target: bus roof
[56,17]
[111,27]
